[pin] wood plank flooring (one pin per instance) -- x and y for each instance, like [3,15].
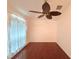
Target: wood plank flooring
[41,50]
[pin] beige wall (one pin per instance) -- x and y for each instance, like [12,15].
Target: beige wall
[63,32]
[41,30]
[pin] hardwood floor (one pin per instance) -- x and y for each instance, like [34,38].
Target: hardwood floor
[41,50]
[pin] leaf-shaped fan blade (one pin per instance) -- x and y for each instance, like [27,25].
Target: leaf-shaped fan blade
[40,16]
[55,13]
[35,11]
[49,16]
[46,8]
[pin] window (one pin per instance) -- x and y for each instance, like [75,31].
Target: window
[16,34]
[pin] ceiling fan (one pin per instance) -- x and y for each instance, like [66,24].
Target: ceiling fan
[46,11]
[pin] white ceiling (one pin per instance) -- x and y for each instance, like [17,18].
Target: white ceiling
[26,5]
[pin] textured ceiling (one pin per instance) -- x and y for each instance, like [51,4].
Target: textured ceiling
[26,5]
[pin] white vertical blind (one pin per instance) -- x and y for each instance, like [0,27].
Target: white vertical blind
[16,35]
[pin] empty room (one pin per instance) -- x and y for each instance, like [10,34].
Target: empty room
[39,29]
